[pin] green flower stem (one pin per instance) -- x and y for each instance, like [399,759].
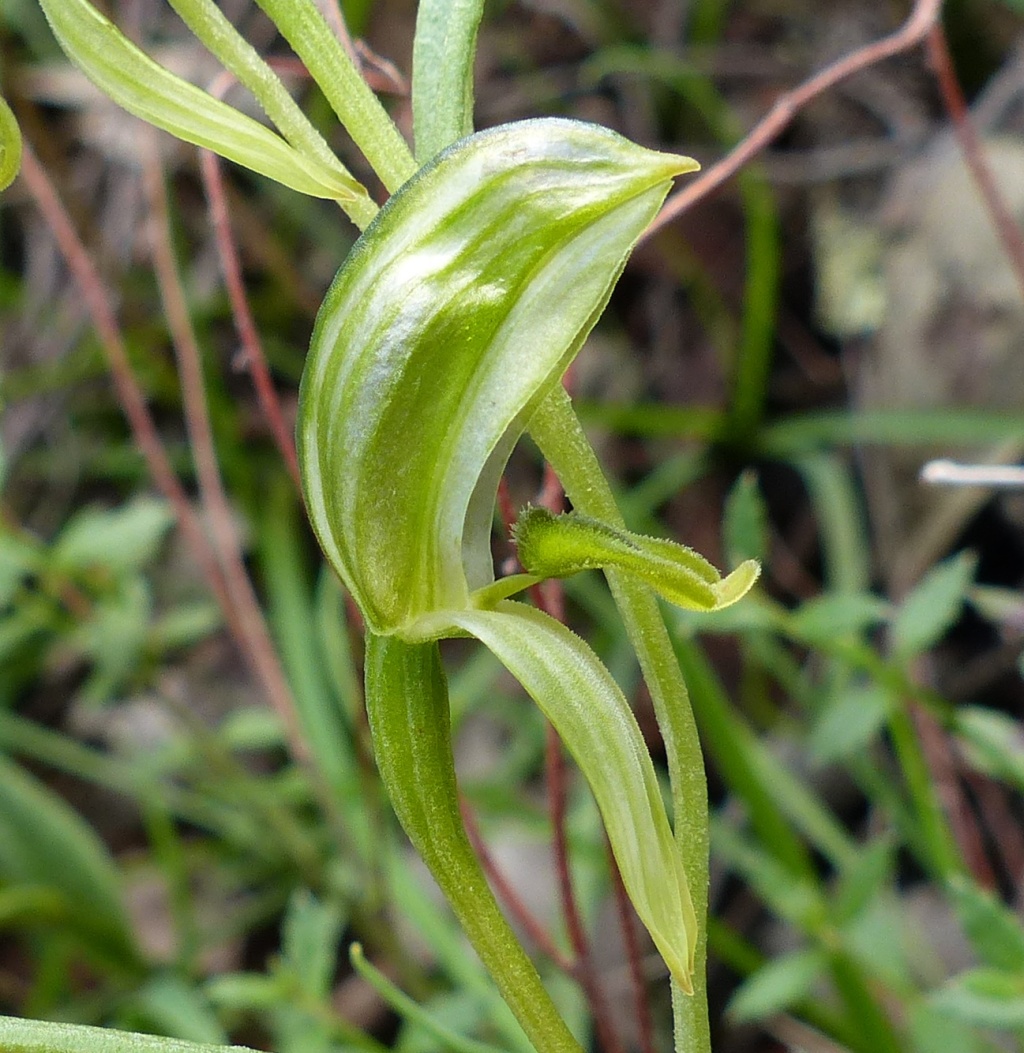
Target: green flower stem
[557,431]
[408,709]
[358,109]
[442,73]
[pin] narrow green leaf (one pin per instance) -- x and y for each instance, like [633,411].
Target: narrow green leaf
[168,1004]
[10,145]
[123,539]
[901,427]
[994,930]
[984,997]
[142,87]
[850,722]
[307,965]
[994,743]
[310,941]
[798,900]
[732,745]
[933,1031]
[577,694]
[841,521]
[456,312]
[778,985]
[553,546]
[210,25]
[43,842]
[293,620]
[933,606]
[37,1036]
[114,637]
[745,526]
[442,73]
[836,614]
[246,991]
[862,882]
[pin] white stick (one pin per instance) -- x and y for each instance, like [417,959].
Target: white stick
[950,473]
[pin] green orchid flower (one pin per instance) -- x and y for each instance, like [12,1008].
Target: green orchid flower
[447,330]
[454,316]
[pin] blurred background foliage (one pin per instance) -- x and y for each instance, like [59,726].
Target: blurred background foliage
[178,856]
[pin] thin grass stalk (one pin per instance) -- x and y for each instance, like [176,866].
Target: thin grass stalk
[245,325]
[358,109]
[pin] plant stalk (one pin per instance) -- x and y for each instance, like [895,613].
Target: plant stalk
[408,709]
[557,431]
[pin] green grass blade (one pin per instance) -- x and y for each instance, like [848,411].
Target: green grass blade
[841,521]
[294,622]
[402,1004]
[903,427]
[44,842]
[731,744]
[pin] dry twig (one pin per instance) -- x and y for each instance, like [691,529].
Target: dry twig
[923,17]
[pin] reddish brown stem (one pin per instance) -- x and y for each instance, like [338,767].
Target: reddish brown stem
[923,17]
[129,392]
[555,767]
[974,154]
[248,335]
[962,822]
[528,921]
[627,922]
[1004,828]
[550,598]
[258,647]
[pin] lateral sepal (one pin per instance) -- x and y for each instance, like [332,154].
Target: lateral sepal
[557,546]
